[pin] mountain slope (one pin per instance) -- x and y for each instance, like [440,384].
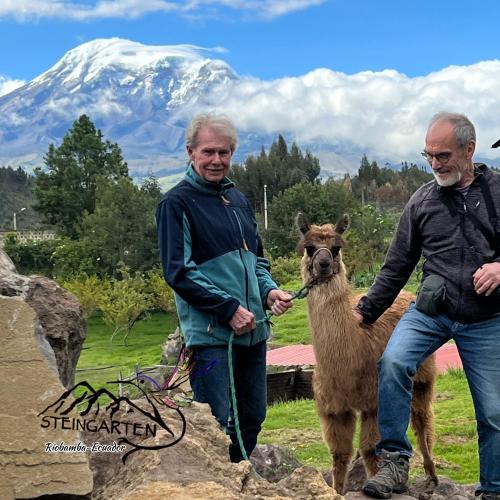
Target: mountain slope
[138,95]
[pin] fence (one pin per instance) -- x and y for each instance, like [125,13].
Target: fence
[281,385]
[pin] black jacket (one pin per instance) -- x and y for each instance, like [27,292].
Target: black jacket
[433,225]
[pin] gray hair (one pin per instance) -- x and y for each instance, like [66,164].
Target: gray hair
[218,123]
[462,126]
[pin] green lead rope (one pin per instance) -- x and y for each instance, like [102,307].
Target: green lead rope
[233,396]
[302,293]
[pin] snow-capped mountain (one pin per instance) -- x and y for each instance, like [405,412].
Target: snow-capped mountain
[139,96]
[143,96]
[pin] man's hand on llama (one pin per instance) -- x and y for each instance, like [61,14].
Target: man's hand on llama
[358,316]
[487,278]
[279,301]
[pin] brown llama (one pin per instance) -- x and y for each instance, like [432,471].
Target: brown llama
[345,378]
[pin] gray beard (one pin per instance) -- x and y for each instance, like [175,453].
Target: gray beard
[451,179]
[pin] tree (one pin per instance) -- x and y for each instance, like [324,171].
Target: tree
[386,186]
[322,203]
[162,296]
[67,190]
[278,170]
[369,237]
[88,290]
[73,258]
[123,302]
[122,226]
[16,194]
[414,176]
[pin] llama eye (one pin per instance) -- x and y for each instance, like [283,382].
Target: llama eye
[310,250]
[335,251]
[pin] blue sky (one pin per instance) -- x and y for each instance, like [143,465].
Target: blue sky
[354,74]
[267,39]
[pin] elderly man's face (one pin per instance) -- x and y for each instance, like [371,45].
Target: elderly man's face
[456,170]
[211,156]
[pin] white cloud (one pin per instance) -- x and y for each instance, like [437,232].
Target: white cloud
[262,8]
[384,112]
[26,10]
[8,85]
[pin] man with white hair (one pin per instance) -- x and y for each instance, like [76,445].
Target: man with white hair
[453,222]
[212,258]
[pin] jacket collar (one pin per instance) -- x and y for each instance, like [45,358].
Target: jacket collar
[479,170]
[207,187]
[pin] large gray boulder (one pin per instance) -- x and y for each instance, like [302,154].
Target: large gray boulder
[58,312]
[30,381]
[197,466]
[41,333]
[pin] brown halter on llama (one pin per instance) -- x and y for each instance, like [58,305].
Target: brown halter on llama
[345,378]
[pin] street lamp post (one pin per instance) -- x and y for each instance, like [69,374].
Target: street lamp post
[15,217]
[265,207]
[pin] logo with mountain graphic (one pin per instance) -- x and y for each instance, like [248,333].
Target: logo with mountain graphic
[130,422]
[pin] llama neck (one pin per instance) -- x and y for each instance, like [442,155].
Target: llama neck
[335,298]
[331,318]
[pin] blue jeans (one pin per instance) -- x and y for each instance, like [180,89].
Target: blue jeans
[418,335]
[210,384]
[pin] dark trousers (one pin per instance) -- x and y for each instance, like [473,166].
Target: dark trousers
[210,383]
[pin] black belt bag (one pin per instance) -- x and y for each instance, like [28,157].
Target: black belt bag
[431,295]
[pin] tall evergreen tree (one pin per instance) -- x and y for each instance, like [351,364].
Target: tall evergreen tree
[278,170]
[67,190]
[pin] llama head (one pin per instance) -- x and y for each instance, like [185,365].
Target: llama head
[320,247]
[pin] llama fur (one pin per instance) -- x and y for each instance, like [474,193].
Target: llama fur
[345,379]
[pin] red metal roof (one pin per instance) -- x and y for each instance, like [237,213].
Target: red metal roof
[446,357]
[291,355]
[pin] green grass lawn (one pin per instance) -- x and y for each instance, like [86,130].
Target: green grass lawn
[292,327]
[294,424]
[101,361]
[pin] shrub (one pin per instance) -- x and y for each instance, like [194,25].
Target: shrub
[285,269]
[73,258]
[162,296]
[365,278]
[88,290]
[122,303]
[31,257]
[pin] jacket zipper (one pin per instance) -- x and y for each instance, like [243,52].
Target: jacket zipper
[244,247]
[243,242]
[462,257]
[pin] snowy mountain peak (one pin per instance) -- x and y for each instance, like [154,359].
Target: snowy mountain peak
[139,96]
[87,61]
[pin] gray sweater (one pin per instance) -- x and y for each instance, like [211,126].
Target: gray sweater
[433,227]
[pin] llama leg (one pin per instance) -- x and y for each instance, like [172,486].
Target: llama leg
[338,431]
[368,438]
[422,421]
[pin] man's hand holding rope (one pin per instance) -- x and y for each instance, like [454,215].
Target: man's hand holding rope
[279,301]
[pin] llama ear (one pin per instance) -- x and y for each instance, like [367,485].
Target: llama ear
[302,223]
[300,247]
[342,224]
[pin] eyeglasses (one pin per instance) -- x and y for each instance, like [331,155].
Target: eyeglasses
[440,157]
